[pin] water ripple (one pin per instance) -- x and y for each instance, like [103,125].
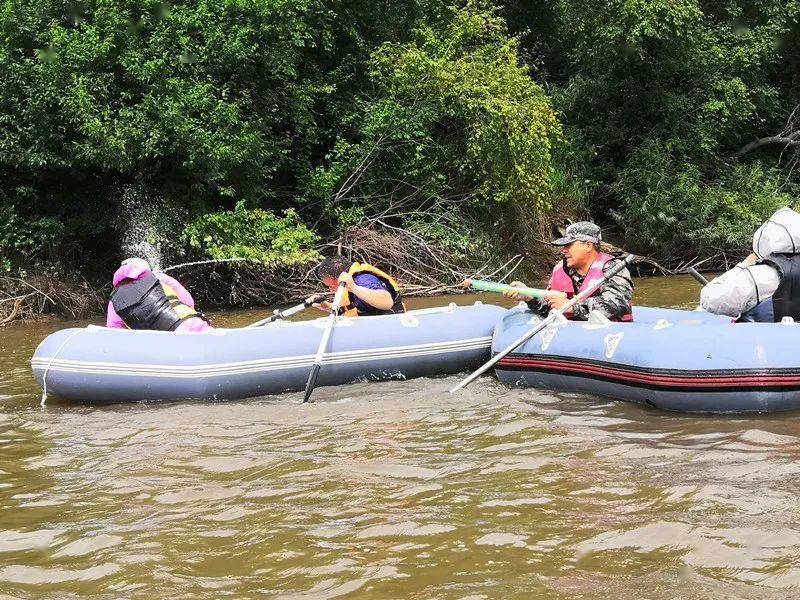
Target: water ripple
[396,490]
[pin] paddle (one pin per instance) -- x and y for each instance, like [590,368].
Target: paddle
[288,312]
[698,278]
[312,376]
[491,286]
[553,316]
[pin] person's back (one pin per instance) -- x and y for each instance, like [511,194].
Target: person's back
[143,299]
[765,286]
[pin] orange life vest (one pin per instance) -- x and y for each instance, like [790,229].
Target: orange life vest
[350,309]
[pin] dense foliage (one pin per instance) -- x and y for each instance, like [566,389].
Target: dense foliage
[463,122]
[658,98]
[253,234]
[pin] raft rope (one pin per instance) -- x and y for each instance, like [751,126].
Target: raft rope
[50,362]
[791,239]
[761,233]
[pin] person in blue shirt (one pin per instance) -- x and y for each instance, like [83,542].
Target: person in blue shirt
[369,291]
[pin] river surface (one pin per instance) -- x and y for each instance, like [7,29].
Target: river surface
[392,490]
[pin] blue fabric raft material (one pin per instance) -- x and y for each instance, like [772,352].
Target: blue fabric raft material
[97,364]
[678,360]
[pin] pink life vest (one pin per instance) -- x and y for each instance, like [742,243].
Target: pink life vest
[560,281]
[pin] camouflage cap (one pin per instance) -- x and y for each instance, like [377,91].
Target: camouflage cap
[582,231]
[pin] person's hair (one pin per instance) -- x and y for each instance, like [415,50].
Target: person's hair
[333,266]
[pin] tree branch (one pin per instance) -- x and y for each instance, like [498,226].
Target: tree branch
[793,139]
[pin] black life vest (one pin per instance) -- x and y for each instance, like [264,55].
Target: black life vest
[393,289]
[146,303]
[785,301]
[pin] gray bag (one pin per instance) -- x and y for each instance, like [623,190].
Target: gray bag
[780,234]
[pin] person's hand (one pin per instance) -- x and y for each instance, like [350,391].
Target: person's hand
[511,293]
[751,259]
[556,300]
[347,279]
[318,301]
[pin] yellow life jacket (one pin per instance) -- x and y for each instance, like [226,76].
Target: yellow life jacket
[149,304]
[184,311]
[351,310]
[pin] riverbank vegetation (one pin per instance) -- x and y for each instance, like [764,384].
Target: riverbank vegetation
[430,136]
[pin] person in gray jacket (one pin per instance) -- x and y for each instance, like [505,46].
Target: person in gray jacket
[765,286]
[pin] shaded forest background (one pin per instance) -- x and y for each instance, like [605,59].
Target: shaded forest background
[430,137]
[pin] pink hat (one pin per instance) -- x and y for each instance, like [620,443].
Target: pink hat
[130,268]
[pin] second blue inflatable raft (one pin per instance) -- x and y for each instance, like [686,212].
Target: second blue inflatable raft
[678,360]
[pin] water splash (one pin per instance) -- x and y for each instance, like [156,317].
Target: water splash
[209,262]
[145,220]
[145,249]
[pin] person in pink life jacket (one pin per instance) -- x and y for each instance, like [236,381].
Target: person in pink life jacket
[582,263]
[143,299]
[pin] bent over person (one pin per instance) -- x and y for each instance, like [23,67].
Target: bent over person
[143,299]
[369,291]
[582,264]
[765,286]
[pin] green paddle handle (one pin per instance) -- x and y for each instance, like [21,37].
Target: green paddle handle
[491,286]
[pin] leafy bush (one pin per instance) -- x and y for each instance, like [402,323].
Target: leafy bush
[669,210]
[255,234]
[22,240]
[457,115]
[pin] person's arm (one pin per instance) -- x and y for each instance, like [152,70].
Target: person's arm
[740,289]
[183,294]
[369,289]
[613,299]
[113,320]
[538,306]
[322,305]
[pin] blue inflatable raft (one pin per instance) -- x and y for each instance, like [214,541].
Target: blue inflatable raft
[677,360]
[97,364]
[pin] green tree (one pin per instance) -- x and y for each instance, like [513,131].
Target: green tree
[656,93]
[197,102]
[456,124]
[256,234]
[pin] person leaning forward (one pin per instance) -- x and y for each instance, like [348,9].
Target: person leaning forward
[583,263]
[765,286]
[369,291]
[144,299]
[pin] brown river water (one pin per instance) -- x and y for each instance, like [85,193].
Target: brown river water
[392,490]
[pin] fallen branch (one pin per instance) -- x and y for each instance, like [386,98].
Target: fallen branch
[14,311]
[771,140]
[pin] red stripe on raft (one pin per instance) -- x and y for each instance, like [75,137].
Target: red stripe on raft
[632,376]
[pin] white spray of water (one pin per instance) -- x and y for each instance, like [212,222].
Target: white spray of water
[144,225]
[146,220]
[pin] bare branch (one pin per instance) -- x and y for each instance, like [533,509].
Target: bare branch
[788,137]
[792,139]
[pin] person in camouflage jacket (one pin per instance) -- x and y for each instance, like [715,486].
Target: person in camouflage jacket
[582,260]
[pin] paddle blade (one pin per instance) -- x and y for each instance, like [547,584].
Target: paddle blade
[312,381]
